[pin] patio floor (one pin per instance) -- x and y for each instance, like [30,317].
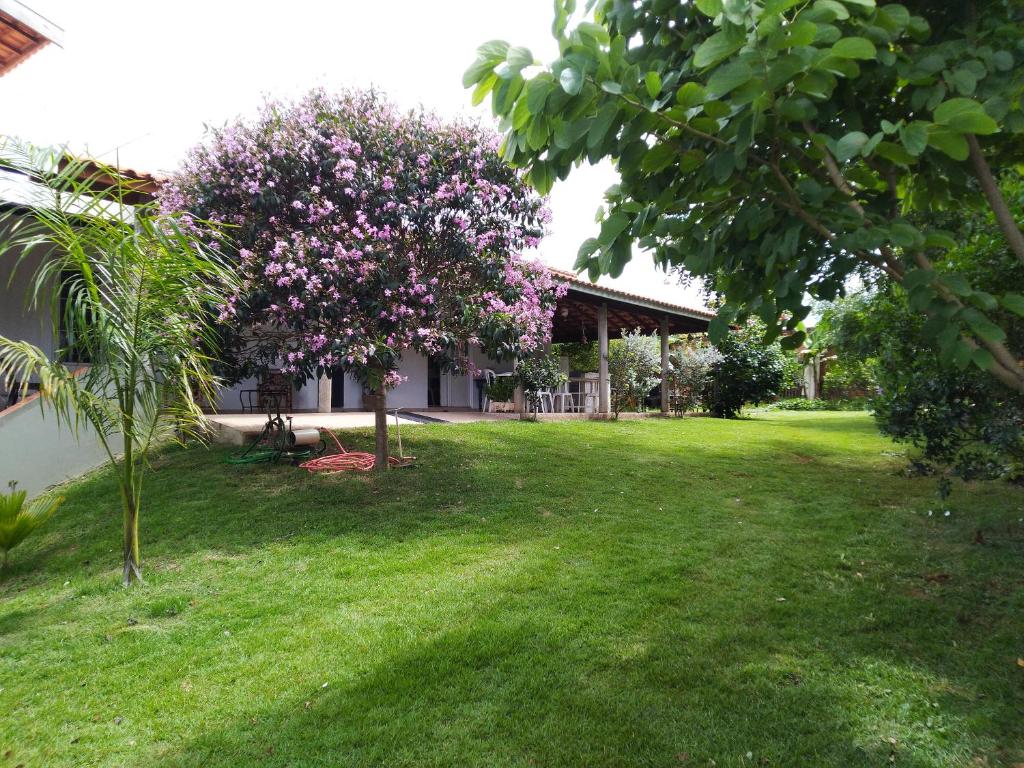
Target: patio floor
[238,428]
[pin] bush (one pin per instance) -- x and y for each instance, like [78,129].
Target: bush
[501,389]
[803,404]
[634,367]
[537,374]
[690,373]
[961,421]
[582,357]
[17,521]
[750,371]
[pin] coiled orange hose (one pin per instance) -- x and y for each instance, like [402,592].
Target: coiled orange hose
[347,461]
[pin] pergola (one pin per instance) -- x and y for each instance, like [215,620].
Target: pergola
[591,312]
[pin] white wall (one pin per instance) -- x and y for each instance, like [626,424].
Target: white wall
[37,453]
[457,391]
[16,322]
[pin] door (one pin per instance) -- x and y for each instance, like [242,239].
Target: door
[433,382]
[337,389]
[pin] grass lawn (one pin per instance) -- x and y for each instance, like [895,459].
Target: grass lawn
[669,593]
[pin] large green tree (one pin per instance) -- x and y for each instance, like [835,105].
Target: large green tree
[778,147]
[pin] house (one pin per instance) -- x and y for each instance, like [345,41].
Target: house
[587,313]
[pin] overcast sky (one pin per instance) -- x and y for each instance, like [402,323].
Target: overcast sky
[144,78]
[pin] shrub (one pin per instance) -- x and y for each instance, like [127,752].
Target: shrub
[582,356]
[690,373]
[634,367]
[501,389]
[537,374]
[750,371]
[802,404]
[17,521]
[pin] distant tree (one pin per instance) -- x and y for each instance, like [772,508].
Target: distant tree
[962,423]
[634,368]
[690,373]
[363,234]
[750,372]
[136,293]
[778,147]
[538,373]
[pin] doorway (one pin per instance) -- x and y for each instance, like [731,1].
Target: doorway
[433,382]
[337,389]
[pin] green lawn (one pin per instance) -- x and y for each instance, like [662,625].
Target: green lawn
[667,593]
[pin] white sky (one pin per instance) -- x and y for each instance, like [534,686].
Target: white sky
[145,77]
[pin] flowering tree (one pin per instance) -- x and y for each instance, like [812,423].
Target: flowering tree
[363,233]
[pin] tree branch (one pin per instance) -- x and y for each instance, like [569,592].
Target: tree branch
[995,197]
[1007,368]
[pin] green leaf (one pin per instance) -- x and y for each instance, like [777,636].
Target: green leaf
[658,157]
[914,137]
[709,8]
[938,239]
[983,359]
[537,91]
[917,277]
[725,79]
[690,95]
[602,122]
[801,32]
[984,327]
[965,116]
[903,234]
[717,47]
[1003,60]
[718,329]
[610,86]
[571,80]
[540,177]
[836,9]
[590,246]
[850,145]
[653,82]
[1014,302]
[612,227]
[854,48]
[952,144]
[861,3]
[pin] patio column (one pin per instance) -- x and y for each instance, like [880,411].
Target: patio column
[323,394]
[664,365]
[604,387]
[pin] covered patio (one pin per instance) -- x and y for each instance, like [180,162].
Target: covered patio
[590,312]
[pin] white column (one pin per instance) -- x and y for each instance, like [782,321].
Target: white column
[323,395]
[664,365]
[604,386]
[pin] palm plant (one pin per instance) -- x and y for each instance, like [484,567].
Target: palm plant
[129,290]
[18,521]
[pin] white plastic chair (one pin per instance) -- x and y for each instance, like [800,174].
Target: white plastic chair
[489,377]
[564,401]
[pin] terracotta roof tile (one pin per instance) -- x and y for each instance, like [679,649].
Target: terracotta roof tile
[574,279]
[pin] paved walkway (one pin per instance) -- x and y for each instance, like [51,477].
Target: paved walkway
[239,428]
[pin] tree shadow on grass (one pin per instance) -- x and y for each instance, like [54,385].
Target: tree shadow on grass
[669,642]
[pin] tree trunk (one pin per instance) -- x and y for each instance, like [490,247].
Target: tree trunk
[132,560]
[380,423]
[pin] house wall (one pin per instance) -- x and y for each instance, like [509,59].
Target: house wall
[16,320]
[457,391]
